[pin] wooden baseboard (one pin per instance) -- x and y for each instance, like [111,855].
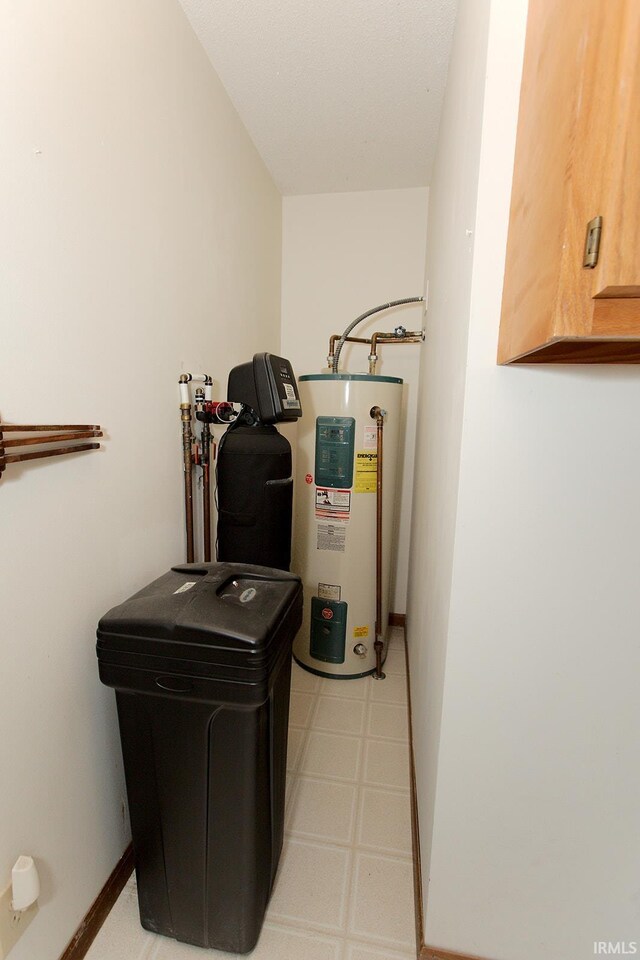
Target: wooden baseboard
[397,619]
[415,831]
[87,931]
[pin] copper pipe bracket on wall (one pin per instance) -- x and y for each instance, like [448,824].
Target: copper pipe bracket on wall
[47,441]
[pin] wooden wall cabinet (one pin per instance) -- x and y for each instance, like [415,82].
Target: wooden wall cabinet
[577,158]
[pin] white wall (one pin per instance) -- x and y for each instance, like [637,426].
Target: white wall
[535,831]
[452,206]
[342,254]
[140,236]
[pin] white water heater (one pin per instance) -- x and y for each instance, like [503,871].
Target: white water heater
[336,511]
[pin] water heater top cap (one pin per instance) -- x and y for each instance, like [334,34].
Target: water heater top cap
[268,385]
[351,376]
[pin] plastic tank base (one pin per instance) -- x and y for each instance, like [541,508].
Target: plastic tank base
[206,789]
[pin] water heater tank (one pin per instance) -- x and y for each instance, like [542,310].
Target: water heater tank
[334,548]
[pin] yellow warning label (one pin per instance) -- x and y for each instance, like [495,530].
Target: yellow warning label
[366,471]
[361,631]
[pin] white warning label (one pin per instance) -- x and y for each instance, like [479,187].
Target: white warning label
[186,586]
[329,591]
[290,401]
[370,439]
[332,536]
[333,503]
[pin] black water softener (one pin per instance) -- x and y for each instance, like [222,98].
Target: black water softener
[255,486]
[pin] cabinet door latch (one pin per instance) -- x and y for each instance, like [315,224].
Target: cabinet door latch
[592,243]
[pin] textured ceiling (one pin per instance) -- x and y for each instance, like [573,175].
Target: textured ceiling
[336,94]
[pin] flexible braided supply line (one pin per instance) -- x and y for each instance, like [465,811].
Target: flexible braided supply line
[363,316]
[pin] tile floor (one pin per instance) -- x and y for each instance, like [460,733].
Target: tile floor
[344,889]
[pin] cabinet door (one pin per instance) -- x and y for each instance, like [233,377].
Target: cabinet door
[577,157]
[619,265]
[604,161]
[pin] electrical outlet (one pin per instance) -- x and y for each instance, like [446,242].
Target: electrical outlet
[12,923]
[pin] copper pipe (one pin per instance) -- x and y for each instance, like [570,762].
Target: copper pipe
[1,449]
[413,336]
[206,490]
[378,415]
[364,316]
[333,339]
[29,428]
[187,440]
[54,438]
[410,336]
[41,454]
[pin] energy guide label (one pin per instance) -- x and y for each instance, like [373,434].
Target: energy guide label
[333,503]
[332,536]
[366,471]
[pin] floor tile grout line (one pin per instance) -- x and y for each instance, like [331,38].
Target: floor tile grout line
[390,788]
[358,740]
[386,740]
[355,736]
[358,736]
[352,881]
[391,853]
[330,779]
[349,886]
[357,940]
[360,781]
[280,925]
[153,950]
[307,727]
[308,732]
[296,925]
[293,782]
[297,769]
[347,906]
[307,695]
[316,926]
